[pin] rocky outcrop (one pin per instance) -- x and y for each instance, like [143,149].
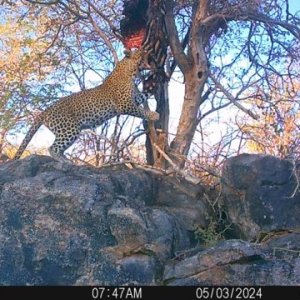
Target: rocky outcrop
[261,194]
[62,224]
[65,224]
[236,262]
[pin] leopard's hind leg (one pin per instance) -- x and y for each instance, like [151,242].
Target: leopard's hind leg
[65,136]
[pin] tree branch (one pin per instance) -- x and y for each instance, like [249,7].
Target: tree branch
[174,41]
[183,45]
[105,39]
[293,29]
[106,19]
[232,99]
[250,16]
[62,4]
[181,172]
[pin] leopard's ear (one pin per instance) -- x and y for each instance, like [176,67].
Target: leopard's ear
[127,53]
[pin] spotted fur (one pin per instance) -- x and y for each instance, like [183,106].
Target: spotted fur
[89,108]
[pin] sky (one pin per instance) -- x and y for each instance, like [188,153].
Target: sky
[294,6]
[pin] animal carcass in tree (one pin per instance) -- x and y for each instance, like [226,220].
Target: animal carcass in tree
[134,24]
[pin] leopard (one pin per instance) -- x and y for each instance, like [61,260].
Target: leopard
[117,95]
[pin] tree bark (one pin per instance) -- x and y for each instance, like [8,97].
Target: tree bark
[158,130]
[181,144]
[195,70]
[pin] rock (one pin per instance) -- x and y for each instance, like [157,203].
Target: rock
[259,195]
[283,245]
[62,224]
[234,262]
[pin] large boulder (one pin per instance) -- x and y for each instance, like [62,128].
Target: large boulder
[261,194]
[236,262]
[62,224]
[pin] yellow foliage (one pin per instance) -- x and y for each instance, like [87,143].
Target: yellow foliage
[11,150]
[277,131]
[24,40]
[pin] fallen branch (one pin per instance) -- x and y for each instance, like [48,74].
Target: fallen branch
[181,172]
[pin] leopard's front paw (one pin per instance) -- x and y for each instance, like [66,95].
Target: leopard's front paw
[153,116]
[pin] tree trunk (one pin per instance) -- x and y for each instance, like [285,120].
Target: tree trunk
[158,130]
[195,71]
[181,144]
[162,126]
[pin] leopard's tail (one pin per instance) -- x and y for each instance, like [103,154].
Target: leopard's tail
[34,128]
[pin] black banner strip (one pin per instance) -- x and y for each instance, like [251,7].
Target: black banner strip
[151,293]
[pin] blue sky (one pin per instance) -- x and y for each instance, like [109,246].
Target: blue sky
[295,6]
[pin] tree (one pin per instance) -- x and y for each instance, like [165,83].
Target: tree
[45,53]
[223,49]
[278,130]
[25,59]
[257,34]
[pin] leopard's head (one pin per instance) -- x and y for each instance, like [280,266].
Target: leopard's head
[136,60]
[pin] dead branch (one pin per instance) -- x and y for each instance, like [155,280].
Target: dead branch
[232,99]
[184,174]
